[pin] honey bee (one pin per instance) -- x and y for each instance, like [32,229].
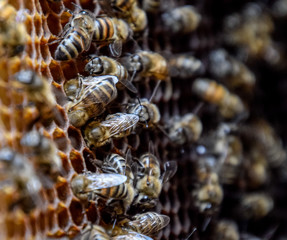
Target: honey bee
[147,64]
[45,154]
[147,112]
[121,8]
[78,36]
[255,205]
[128,10]
[131,236]
[151,6]
[265,137]
[231,71]
[93,232]
[89,186]
[230,105]
[39,93]
[279,9]
[13,34]
[138,19]
[115,163]
[224,151]
[116,125]
[208,193]
[256,169]
[181,20]
[150,180]
[183,130]
[184,66]
[250,30]
[107,66]
[226,230]
[216,142]
[208,197]
[17,171]
[149,223]
[230,167]
[111,31]
[95,94]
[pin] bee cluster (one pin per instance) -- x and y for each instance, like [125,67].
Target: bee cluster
[122,118]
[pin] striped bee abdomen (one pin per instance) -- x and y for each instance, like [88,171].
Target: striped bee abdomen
[75,43]
[104,29]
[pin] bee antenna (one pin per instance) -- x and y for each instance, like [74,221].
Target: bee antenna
[155,90]
[206,223]
[76,6]
[198,108]
[133,75]
[114,224]
[192,232]
[163,131]
[68,11]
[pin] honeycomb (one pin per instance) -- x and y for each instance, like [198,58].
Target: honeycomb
[60,213]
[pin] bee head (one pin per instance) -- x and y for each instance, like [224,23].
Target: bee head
[78,117]
[177,136]
[144,201]
[78,184]
[136,63]
[95,66]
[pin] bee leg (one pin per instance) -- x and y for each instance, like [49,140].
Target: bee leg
[76,6]
[192,232]
[145,40]
[168,90]
[155,90]
[164,133]
[55,41]
[198,108]
[97,8]
[205,223]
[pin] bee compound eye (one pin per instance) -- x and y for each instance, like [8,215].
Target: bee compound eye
[144,199]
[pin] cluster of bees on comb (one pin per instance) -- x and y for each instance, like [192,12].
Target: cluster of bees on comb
[142,119]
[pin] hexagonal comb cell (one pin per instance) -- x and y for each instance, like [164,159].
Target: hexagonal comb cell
[77,161]
[60,139]
[75,137]
[76,211]
[63,216]
[63,189]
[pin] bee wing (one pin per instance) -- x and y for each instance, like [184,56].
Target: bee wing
[155,226]
[116,48]
[129,85]
[134,235]
[94,80]
[121,124]
[82,104]
[104,180]
[106,6]
[170,169]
